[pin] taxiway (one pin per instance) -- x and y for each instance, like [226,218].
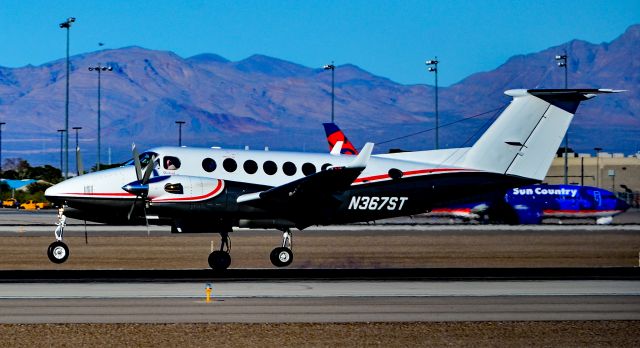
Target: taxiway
[326,301]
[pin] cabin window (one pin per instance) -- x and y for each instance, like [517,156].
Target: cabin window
[230,165]
[289,168]
[209,165]
[270,167]
[174,188]
[308,169]
[250,166]
[325,166]
[170,163]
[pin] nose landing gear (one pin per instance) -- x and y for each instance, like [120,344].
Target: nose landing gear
[58,252]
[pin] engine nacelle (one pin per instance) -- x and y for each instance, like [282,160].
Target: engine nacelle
[183,189]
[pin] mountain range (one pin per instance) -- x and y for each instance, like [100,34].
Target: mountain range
[264,101]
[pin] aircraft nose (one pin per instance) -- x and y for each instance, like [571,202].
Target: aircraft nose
[54,193]
[621,205]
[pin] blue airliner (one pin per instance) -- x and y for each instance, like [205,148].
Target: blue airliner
[531,204]
[523,205]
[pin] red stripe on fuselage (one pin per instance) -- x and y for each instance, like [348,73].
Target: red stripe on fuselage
[105,194]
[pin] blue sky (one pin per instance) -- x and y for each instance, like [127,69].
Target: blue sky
[388,38]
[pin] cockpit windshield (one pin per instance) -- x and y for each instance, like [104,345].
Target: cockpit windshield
[145,158]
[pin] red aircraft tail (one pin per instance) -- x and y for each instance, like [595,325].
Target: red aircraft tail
[334,134]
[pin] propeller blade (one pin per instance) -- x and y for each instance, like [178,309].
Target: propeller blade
[148,171]
[133,207]
[146,220]
[136,161]
[79,166]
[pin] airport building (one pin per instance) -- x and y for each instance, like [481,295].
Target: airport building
[611,171]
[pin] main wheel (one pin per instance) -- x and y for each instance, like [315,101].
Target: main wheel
[219,260]
[58,252]
[281,257]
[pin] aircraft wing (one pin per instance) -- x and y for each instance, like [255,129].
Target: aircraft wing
[313,187]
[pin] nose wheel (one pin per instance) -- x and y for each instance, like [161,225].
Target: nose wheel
[283,256]
[58,252]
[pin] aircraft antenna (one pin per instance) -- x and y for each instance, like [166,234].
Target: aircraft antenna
[444,125]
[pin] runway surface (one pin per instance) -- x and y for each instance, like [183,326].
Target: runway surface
[319,301]
[515,275]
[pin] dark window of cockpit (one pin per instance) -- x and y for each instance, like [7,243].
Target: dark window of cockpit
[270,167]
[230,165]
[289,168]
[250,166]
[308,169]
[171,163]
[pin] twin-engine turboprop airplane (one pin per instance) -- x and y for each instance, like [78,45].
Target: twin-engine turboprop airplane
[214,190]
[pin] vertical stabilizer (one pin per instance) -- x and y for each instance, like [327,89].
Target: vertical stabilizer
[524,139]
[334,135]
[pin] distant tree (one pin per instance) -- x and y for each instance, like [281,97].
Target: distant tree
[37,187]
[18,168]
[46,173]
[10,174]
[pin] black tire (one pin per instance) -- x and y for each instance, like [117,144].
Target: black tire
[219,260]
[281,257]
[58,252]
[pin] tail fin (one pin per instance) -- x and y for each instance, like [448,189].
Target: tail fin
[334,134]
[524,139]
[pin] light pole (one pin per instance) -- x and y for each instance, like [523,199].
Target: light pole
[66,25]
[1,124]
[99,69]
[62,131]
[77,149]
[77,129]
[598,149]
[562,62]
[433,67]
[180,123]
[333,70]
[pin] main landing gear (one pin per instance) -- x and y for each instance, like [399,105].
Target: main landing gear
[283,256]
[219,260]
[58,252]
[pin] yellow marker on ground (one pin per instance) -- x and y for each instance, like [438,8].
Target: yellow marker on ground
[208,288]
